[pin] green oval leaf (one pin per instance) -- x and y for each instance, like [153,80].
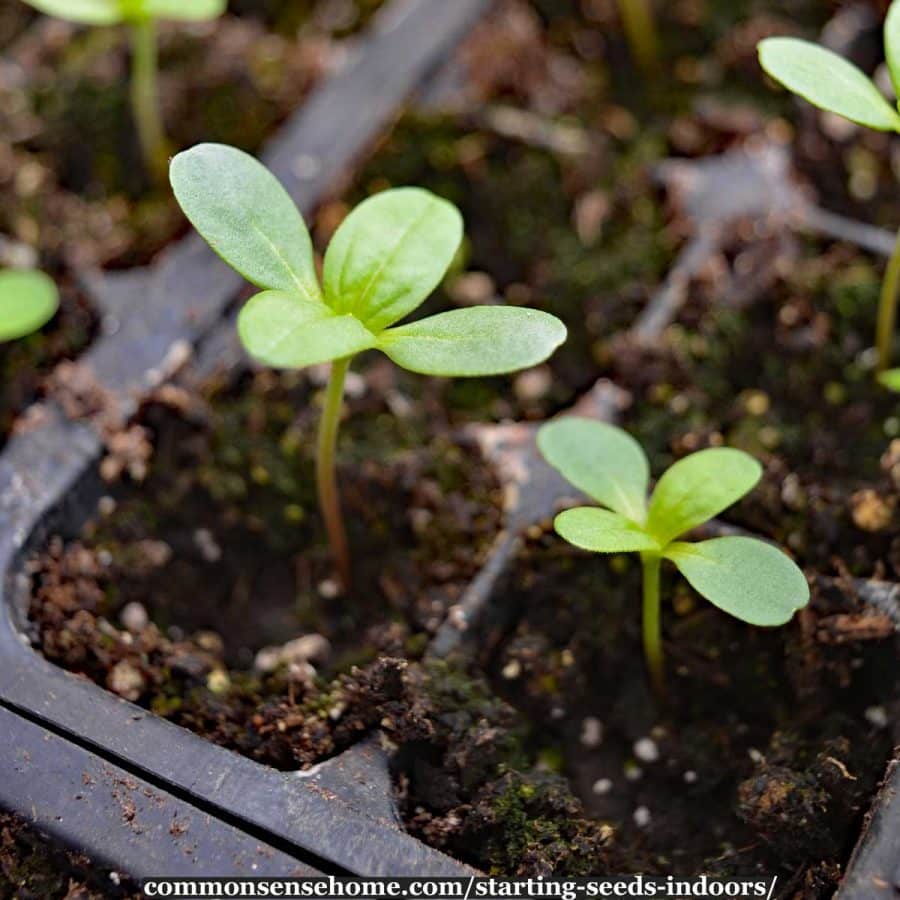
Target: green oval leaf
[389,254]
[602,531]
[247,217]
[698,487]
[281,330]
[749,579]
[186,10]
[603,461]
[28,300]
[828,81]
[483,340]
[892,44]
[86,12]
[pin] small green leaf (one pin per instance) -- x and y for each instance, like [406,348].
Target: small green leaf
[284,331]
[698,487]
[892,44]
[828,81]
[186,10]
[247,217]
[603,461]
[747,578]
[602,531]
[483,340]
[389,254]
[891,380]
[86,12]
[28,300]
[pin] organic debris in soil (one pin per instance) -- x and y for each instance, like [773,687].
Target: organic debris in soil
[206,592]
[32,868]
[766,759]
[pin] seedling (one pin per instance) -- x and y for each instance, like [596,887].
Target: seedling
[891,380]
[387,257]
[28,300]
[830,82]
[748,578]
[141,17]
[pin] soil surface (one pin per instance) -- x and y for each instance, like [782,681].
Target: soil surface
[205,591]
[31,868]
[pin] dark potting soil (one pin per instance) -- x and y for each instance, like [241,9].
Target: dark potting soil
[33,868]
[25,364]
[763,762]
[169,595]
[72,182]
[788,378]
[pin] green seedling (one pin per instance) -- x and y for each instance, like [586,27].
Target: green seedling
[891,380]
[141,17]
[28,300]
[748,578]
[830,82]
[640,29]
[383,262]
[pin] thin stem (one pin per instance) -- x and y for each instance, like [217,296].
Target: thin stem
[653,651]
[887,310]
[329,500]
[640,28]
[145,97]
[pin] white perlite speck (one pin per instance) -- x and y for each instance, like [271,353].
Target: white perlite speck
[646,750]
[690,777]
[591,732]
[642,817]
[877,716]
[602,786]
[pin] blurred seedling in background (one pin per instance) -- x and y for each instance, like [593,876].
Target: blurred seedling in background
[745,577]
[830,82]
[28,300]
[640,29]
[387,257]
[141,17]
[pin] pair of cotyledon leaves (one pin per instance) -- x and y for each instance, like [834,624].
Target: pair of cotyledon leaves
[745,577]
[830,82]
[389,254]
[111,12]
[28,300]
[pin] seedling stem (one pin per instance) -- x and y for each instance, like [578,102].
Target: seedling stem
[887,310]
[640,29]
[145,97]
[326,480]
[653,652]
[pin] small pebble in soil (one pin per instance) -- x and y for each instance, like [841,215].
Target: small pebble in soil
[646,750]
[642,817]
[690,777]
[877,716]
[533,384]
[329,589]
[756,756]
[602,786]
[126,681]
[557,713]
[106,505]
[134,617]
[591,732]
[512,670]
[206,543]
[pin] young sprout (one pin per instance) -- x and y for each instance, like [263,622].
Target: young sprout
[748,578]
[28,300]
[891,380]
[640,29]
[141,17]
[386,258]
[830,82]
